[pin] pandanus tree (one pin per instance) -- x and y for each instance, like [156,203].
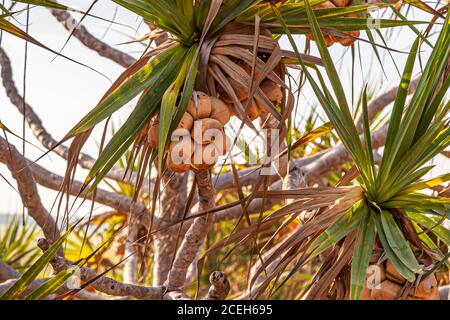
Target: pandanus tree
[227,52]
[224,49]
[384,219]
[223,58]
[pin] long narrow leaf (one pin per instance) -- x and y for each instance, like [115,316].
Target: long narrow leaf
[361,255]
[31,274]
[398,242]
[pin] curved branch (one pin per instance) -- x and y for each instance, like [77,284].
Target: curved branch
[26,184]
[7,272]
[42,135]
[113,200]
[105,284]
[90,41]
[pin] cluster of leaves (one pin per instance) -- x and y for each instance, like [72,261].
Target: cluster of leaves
[17,244]
[167,75]
[33,272]
[165,78]
[417,132]
[99,245]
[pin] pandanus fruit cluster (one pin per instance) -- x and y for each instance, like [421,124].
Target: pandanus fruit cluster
[384,282]
[199,139]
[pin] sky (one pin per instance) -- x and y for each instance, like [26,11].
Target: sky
[61,92]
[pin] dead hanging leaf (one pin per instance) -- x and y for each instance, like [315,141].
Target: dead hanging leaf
[69,176]
[319,287]
[252,81]
[240,195]
[5,130]
[218,75]
[237,46]
[246,56]
[349,176]
[205,83]
[238,74]
[265,42]
[311,192]
[336,205]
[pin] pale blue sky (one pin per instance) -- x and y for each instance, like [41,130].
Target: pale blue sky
[61,92]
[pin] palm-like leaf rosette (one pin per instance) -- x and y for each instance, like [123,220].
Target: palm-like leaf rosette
[229,50]
[214,47]
[385,216]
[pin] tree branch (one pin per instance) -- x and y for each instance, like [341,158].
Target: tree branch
[7,272]
[90,41]
[43,136]
[220,287]
[28,192]
[113,200]
[195,234]
[9,276]
[131,250]
[176,295]
[172,203]
[105,284]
